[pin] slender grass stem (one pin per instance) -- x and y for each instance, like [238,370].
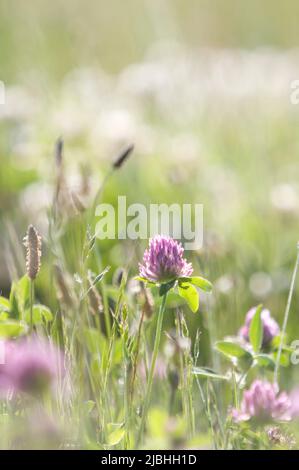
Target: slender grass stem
[126,400]
[286,316]
[136,357]
[31,304]
[90,243]
[152,369]
[235,389]
[186,380]
[104,294]
[207,410]
[190,399]
[183,387]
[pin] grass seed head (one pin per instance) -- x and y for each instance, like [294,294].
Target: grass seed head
[124,155]
[95,299]
[33,243]
[59,151]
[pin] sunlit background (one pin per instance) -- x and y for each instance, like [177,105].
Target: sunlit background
[202,89]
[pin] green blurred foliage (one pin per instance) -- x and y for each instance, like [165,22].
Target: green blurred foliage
[52,38]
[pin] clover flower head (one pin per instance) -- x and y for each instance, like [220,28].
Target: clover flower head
[270,326]
[164,261]
[294,396]
[31,365]
[263,402]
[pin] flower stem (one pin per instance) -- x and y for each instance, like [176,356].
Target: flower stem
[135,363]
[286,316]
[31,304]
[152,369]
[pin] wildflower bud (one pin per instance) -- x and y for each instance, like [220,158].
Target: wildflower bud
[121,159]
[58,151]
[117,276]
[33,243]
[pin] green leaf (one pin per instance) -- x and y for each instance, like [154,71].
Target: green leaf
[116,433]
[45,312]
[284,358]
[266,361]
[100,276]
[115,437]
[164,288]
[40,313]
[96,366]
[157,422]
[88,406]
[198,281]
[4,315]
[190,294]
[146,281]
[94,340]
[13,300]
[95,280]
[208,373]
[174,300]
[256,330]
[275,344]
[4,304]
[19,297]
[12,328]
[233,350]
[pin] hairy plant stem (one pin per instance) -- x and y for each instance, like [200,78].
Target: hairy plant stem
[152,368]
[286,316]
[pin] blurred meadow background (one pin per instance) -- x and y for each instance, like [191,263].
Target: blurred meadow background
[202,90]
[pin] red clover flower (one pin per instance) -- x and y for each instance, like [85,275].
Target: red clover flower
[163,261]
[263,402]
[270,326]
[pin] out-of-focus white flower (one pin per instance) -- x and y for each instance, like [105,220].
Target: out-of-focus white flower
[184,147]
[260,284]
[284,198]
[18,105]
[36,197]
[224,284]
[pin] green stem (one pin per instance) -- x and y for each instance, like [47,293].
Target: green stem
[126,401]
[186,385]
[135,363]
[152,368]
[31,304]
[286,316]
[235,389]
[190,400]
